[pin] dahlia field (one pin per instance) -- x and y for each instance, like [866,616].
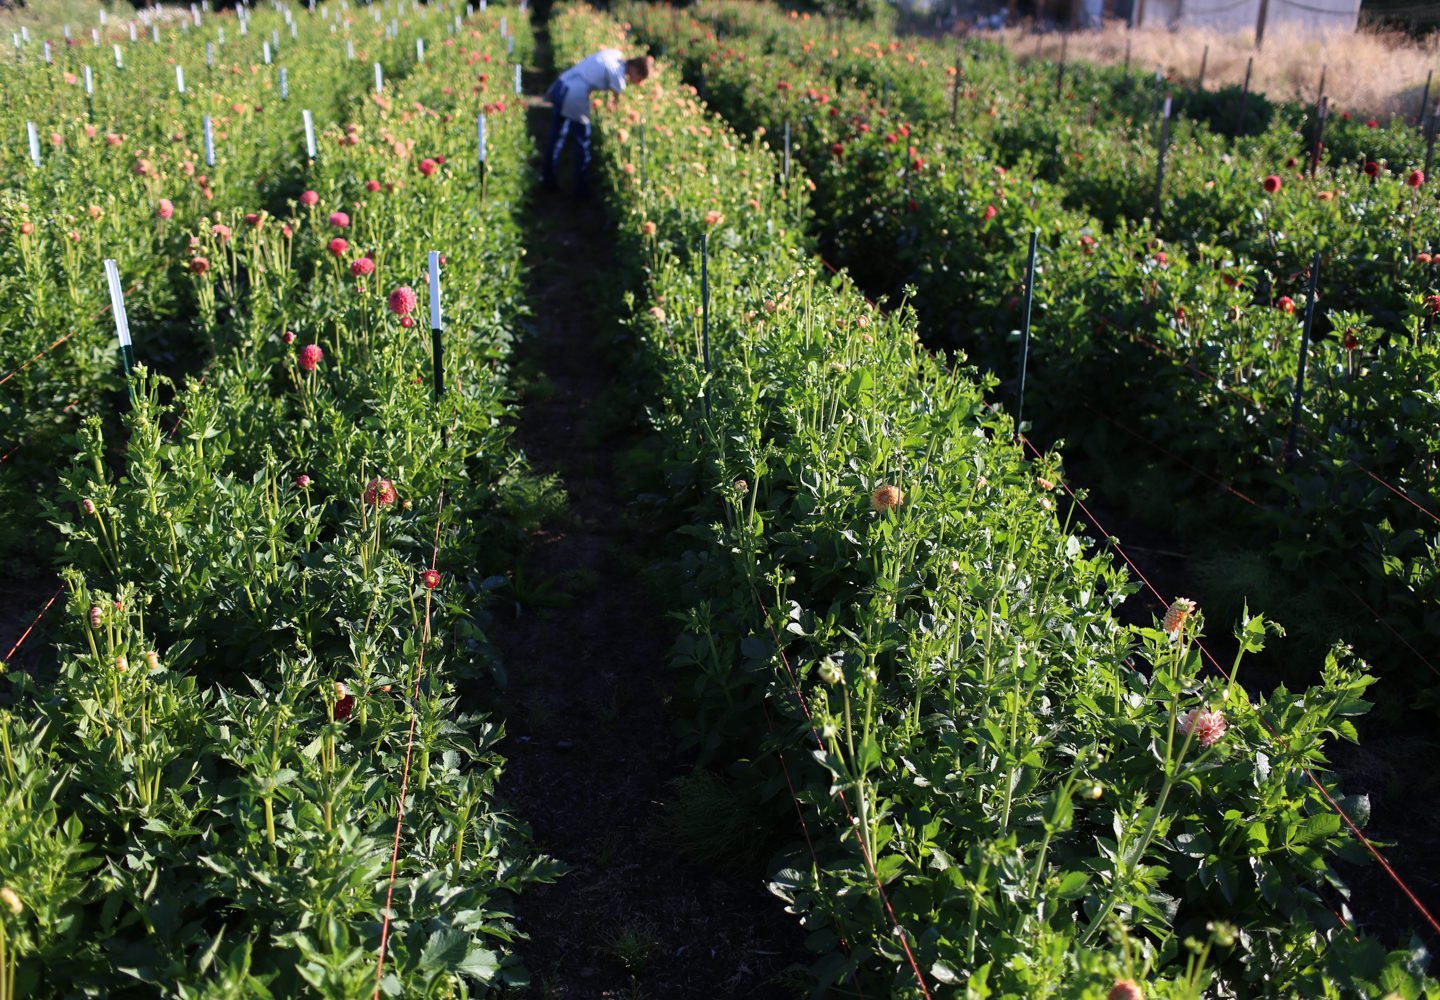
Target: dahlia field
[263,280]
[271,530]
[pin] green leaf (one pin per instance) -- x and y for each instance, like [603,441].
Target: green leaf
[445,951]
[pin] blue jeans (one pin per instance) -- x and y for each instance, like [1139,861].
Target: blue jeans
[562,132]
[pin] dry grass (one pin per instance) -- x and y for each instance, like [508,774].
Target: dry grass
[1368,73]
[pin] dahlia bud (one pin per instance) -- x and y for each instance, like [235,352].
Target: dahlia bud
[648,228]
[96,616]
[200,265]
[165,209]
[362,267]
[830,671]
[11,899]
[340,690]
[339,220]
[302,481]
[88,506]
[310,199]
[152,659]
[431,579]
[428,166]
[1094,791]
[886,497]
[287,338]
[380,493]
[310,356]
[1177,614]
[338,246]
[372,186]
[122,664]
[714,217]
[1126,989]
[742,487]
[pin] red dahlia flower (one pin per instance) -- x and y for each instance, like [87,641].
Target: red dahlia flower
[402,300]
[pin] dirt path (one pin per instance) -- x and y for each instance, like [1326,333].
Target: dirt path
[591,759]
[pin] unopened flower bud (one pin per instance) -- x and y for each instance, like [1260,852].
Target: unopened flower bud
[121,664]
[11,899]
[152,659]
[830,671]
[96,615]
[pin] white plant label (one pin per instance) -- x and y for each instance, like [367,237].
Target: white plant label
[117,302]
[309,133]
[209,141]
[420,50]
[379,79]
[435,290]
[265,52]
[119,59]
[284,84]
[89,82]
[33,135]
[480,130]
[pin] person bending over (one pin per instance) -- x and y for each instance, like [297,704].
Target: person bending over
[607,69]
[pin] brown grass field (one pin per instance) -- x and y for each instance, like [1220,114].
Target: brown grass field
[1367,72]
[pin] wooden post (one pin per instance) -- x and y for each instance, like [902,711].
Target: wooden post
[1244,96]
[1425,100]
[1204,59]
[1321,113]
[1260,24]
[1430,143]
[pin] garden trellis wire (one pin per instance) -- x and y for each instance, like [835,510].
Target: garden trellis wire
[1309,774]
[409,752]
[844,801]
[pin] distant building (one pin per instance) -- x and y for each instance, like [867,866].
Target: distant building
[1319,16]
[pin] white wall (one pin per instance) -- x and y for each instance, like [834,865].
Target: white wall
[1318,16]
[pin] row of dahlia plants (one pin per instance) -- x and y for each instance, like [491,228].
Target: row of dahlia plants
[1097,132]
[274,583]
[126,176]
[1004,790]
[1139,342]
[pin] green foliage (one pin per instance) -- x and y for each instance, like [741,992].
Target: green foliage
[881,589]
